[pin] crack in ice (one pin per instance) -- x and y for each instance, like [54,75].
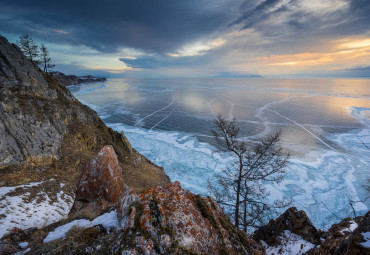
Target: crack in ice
[299,125]
[159,122]
[173,100]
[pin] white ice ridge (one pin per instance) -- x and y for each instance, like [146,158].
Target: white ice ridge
[159,122]
[173,100]
[107,220]
[299,125]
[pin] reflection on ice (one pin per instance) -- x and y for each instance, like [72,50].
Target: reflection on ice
[326,127]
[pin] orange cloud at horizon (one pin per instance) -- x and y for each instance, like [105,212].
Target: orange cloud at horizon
[343,54]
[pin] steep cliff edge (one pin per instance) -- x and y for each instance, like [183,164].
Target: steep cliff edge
[47,136]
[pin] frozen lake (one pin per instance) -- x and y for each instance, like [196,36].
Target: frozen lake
[325,124]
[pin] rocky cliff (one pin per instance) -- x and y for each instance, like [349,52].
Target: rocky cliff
[67,80]
[47,136]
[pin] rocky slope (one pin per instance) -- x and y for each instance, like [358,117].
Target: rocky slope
[67,80]
[110,218]
[46,138]
[160,220]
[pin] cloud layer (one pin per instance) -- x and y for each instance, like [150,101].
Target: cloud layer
[197,37]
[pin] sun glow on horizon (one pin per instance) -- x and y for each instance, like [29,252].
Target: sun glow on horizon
[343,54]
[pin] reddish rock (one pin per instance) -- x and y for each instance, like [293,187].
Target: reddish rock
[169,219]
[101,183]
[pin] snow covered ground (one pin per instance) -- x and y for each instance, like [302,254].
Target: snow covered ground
[325,124]
[20,207]
[291,244]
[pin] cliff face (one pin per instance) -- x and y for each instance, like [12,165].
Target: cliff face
[47,136]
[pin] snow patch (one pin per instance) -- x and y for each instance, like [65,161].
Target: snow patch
[23,245]
[108,220]
[353,225]
[366,236]
[291,244]
[25,211]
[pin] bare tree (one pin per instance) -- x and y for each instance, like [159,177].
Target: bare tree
[45,59]
[29,48]
[240,187]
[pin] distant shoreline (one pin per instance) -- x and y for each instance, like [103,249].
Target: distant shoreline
[68,80]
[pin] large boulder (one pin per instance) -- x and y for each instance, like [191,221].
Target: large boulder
[101,184]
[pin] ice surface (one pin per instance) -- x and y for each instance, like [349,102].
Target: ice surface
[326,128]
[291,244]
[107,220]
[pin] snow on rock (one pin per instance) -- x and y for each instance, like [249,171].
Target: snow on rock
[353,225]
[20,208]
[101,183]
[346,237]
[107,220]
[291,244]
[366,236]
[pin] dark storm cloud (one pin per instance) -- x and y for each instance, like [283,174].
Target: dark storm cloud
[160,25]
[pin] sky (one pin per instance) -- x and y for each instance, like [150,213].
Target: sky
[197,38]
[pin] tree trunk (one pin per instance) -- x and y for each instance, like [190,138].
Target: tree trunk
[245,216]
[239,181]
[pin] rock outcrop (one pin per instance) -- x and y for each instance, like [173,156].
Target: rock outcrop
[67,80]
[293,220]
[346,237]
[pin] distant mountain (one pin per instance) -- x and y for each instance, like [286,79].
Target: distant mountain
[67,80]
